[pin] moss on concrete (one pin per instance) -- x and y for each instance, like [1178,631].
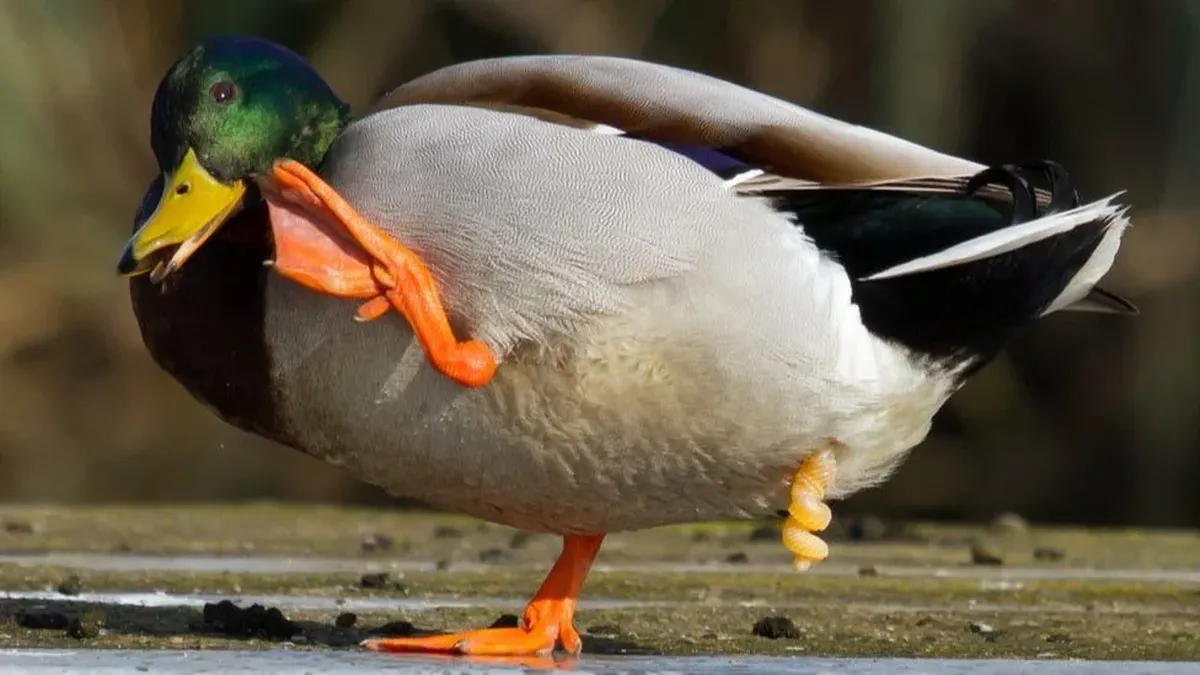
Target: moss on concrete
[824,629]
[708,610]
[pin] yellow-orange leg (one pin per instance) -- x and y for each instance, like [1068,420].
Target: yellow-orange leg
[549,616]
[409,286]
[808,512]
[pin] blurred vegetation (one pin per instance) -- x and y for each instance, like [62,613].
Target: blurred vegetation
[1087,419]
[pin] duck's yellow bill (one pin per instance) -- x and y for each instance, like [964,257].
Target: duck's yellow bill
[190,208]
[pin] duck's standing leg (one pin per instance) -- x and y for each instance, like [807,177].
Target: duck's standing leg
[407,283]
[549,616]
[808,512]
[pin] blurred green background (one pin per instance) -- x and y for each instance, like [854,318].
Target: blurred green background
[1088,419]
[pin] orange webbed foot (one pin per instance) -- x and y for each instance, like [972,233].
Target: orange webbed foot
[539,637]
[807,512]
[548,622]
[407,283]
[316,256]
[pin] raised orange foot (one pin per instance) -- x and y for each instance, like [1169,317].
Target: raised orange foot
[808,512]
[549,617]
[374,267]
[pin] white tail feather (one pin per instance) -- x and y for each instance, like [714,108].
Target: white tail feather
[1096,266]
[1017,236]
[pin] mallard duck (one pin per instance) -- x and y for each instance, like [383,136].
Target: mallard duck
[626,295]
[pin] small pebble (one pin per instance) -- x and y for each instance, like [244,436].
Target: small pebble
[18,527]
[983,554]
[345,620]
[507,621]
[775,627]
[492,556]
[447,532]
[766,533]
[519,540]
[980,628]
[71,585]
[1009,523]
[375,580]
[738,558]
[376,543]
[868,571]
[1048,554]
[442,564]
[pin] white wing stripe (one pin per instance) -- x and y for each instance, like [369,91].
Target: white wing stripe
[1007,239]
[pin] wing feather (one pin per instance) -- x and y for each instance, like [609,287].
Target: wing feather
[673,104]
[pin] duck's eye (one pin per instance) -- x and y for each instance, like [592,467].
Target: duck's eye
[223,92]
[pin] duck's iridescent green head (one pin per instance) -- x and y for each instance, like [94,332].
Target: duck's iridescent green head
[223,114]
